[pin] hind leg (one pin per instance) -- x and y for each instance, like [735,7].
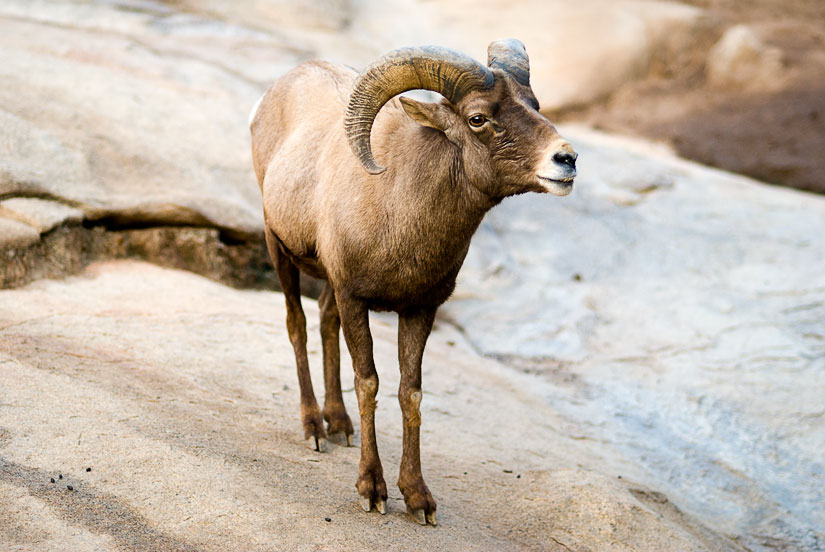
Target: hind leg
[296,326]
[334,411]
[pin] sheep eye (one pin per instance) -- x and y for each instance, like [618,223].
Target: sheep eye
[477,120]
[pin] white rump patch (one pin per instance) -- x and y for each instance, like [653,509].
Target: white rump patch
[255,109]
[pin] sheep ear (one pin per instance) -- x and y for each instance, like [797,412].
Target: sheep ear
[426,114]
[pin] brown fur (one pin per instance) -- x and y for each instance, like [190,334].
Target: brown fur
[393,241]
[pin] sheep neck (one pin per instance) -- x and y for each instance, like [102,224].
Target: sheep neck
[430,211]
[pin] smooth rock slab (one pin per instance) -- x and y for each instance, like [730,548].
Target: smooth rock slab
[41,214]
[180,394]
[688,306]
[135,112]
[125,115]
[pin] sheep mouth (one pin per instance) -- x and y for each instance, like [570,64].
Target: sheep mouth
[557,186]
[568,180]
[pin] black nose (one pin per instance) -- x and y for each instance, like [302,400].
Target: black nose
[565,158]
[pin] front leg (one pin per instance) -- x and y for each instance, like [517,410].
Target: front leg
[355,324]
[413,329]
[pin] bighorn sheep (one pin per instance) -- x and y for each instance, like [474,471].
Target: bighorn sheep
[391,238]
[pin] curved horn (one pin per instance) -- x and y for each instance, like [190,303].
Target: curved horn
[509,55]
[450,73]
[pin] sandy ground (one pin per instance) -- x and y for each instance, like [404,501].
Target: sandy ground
[179,393]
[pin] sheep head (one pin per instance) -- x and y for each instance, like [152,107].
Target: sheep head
[490,113]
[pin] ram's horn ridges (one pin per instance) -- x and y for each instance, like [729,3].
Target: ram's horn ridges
[510,55]
[450,73]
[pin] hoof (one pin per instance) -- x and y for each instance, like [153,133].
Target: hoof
[338,424]
[372,490]
[422,518]
[317,444]
[340,439]
[367,505]
[420,503]
[316,437]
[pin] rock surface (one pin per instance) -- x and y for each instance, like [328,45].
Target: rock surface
[135,113]
[117,122]
[581,51]
[179,393]
[687,306]
[741,60]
